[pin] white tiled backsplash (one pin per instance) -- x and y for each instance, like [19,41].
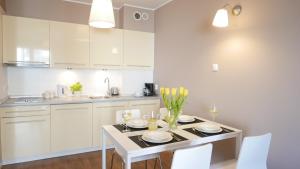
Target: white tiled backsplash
[35,81]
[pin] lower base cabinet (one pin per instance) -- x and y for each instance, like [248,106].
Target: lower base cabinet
[25,132]
[71,127]
[104,114]
[31,132]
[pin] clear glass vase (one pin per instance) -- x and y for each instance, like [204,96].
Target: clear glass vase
[173,120]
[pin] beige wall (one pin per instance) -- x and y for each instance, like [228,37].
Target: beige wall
[128,22]
[257,87]
[56,10]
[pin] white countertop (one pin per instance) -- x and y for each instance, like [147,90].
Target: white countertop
[73,100]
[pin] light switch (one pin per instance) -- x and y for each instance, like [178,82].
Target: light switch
[215,67]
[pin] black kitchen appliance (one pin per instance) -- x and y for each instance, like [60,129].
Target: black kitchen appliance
[149,89]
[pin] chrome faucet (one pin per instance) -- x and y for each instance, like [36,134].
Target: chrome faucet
[108,93]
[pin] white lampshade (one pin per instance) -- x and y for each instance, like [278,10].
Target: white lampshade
[102,14]
[221,18]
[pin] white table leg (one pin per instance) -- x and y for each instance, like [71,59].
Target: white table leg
[128,163]
[103,149]
[238,143]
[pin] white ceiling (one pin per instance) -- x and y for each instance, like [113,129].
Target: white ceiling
[148,4]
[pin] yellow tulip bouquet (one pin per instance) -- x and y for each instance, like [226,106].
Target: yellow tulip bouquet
[174,102]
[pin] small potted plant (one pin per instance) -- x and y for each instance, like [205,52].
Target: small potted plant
[76,89]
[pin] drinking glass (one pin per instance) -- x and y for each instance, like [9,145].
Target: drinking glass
[152,121]
[126,117]
[213,112]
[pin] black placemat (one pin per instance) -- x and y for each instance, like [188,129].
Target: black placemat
[121,128]
[202,134]
[193,122]
[143,144]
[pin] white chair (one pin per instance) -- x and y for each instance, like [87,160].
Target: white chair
[135,113]
[253,154]
[193,158]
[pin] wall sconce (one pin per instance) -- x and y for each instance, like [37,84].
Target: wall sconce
[221,17]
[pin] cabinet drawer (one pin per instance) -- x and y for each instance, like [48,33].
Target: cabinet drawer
[110,105]
[66,107]
[144,102]
[25,111]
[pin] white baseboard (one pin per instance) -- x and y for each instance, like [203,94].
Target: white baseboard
[51,155]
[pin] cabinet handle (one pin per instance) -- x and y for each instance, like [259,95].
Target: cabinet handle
[25,121]
[110,107]
[25,111]
[77,108]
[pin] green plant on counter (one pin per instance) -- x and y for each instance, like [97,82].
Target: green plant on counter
[76,87]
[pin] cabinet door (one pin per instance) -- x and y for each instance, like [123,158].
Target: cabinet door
[104,114]
[25,137]
[69,45]
[146,106]
[71,127]
[138,48]
[106,46]
[25,40]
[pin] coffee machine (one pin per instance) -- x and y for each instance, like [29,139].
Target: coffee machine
[149,89]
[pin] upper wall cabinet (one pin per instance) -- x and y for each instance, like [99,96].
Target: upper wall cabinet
[138,49]
[106,47]
[69,45]
[25,41]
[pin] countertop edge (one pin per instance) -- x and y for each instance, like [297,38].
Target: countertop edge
[61,101]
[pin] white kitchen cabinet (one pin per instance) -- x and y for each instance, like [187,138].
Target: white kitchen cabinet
[106,47]
[146,106]
[25,41]
[104,114]
[138,49]
[25,132]
[71,127]
[69,45]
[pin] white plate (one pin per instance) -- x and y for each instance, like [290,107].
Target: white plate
[157,136]
[137,123]
[186,119]
[208,128]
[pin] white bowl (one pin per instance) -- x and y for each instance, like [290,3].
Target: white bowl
[137,123]
[186,119]
[157,136]
[208,128]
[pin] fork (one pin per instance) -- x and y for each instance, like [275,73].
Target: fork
[174,136]
[141,140]
[196,131]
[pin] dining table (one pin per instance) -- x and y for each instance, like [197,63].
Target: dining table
[130,146]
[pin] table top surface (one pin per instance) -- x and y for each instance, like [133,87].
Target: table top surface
[128,147]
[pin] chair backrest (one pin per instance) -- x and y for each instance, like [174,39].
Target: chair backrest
[254,152]
[135,114]
[163,112]
[193,158]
